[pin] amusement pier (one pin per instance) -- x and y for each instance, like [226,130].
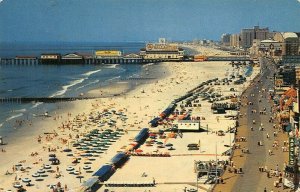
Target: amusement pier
[152,53]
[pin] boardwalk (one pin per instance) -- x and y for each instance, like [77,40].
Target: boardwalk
[252,180]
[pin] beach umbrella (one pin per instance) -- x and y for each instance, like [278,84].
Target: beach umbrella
[159,143]
[52,159]
[67,150]
[41,171]
[86,167]
[169,144]
[26,180]
[76,172]
[70,168]
[47,167]
[75,144]
[35,175]
[17,185]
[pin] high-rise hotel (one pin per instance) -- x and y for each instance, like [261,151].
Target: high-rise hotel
[247,35]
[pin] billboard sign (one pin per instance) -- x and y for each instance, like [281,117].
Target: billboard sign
[161,47]
[108,53]
[292,150]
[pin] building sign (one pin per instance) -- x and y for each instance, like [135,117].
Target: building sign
[50,56]
[292,150]
[189,125]
[161,47]
[108,53]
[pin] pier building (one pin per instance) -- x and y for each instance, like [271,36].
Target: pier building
[162,51]
[50,58]
[72,58]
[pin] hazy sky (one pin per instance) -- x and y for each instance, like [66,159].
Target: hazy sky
[140,20]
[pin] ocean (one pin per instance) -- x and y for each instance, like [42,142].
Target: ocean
[54,80]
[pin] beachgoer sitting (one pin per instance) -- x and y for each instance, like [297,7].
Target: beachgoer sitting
[8,173]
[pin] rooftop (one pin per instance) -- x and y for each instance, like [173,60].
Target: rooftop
[289,35]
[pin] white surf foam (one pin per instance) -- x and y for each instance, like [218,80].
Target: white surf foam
[66,87]
[91,72]
[14,116]
[118,77]
[36,105]
[149,64]
[110,66]
[19,110]
[93,82]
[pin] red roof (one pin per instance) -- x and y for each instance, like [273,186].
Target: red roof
[290,93]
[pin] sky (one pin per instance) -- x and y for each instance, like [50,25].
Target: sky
[140,20]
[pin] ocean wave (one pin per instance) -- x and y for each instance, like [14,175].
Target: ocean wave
[114,78]
[93,82]
[91,72]
[36,104]
[19,110]
[149,64]
[66,87]
[110,66]
[14,116]
[9,90]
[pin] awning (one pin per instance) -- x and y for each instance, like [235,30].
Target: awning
[142,134]
[103,170]
[90,182]
[118,157]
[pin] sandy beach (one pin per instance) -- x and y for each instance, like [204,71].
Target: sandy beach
[75,119]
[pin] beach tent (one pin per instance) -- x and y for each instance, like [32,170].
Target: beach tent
[154,122]
[143,134]
[92,184]
[104,172]
[119,158]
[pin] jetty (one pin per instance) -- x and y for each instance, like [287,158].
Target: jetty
[41,99]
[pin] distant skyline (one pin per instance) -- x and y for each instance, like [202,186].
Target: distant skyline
[140,20]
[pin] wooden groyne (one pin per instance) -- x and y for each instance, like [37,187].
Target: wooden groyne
[41,99]
[138,78]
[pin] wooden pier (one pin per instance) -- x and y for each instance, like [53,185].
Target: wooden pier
[90,61]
